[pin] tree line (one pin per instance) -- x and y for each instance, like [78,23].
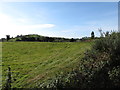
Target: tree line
[39,38]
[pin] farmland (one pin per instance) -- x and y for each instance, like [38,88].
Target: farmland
[33,63]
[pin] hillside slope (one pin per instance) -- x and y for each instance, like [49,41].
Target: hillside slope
[33,63]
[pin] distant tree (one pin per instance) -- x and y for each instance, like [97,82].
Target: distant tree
[84,38]
[23,38]
[47,39]
[51,39]
[8,37]
[92,35]
[17,35]
[18,39]
[72,40]
[21,35]
[3,39]
[100,30]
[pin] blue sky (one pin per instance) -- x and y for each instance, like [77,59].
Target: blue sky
[58,19]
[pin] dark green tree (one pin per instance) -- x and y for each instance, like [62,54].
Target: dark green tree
[8,37]
[72,40]
[92,35]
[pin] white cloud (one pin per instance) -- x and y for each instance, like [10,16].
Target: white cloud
[11,26]
[22,20]
[39,26]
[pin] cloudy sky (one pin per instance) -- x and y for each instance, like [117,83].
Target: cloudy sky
[61,19]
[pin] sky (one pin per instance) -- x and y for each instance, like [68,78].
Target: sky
[57,19]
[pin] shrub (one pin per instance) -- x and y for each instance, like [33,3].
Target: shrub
[100,67]
[103,67]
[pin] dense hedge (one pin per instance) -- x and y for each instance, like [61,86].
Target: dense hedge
[100,68]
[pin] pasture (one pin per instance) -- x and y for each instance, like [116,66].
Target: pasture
[33,63]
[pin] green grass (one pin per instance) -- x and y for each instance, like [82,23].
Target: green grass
[0,64]
[33,63]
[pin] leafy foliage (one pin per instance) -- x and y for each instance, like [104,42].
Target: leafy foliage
[39,38]
[92,35]
[100,67]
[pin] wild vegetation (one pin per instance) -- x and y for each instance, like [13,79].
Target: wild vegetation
[100,67]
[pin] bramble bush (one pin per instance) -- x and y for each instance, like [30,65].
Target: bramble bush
[100,67]
[105,66]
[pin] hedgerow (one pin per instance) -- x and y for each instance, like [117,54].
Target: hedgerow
[100,67]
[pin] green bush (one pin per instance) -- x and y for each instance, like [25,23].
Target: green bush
[100,67]
[105,55]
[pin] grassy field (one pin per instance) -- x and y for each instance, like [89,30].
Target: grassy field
[33,63]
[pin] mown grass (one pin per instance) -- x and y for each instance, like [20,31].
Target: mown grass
[33,63]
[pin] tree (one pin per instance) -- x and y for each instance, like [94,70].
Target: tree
[8,37]
[72,40]
[92,35]
[100,30]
